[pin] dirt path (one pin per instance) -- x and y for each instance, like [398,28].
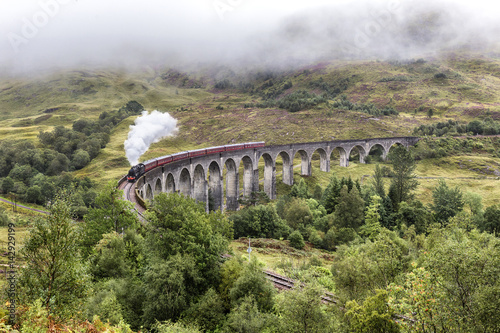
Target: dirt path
[24,207]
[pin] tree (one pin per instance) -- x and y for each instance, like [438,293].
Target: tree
[247,318]
[54,271]
[372,316]
[300,190]
[298,215]
[170,287]
[371,228]
[430,113]
[80,159]
[110,213]
[180,225]
[7,185]
[252,282]
[349,213]
[259,221]
[447,202]
[414,214]
[34,194]
[403,179]
[491,222]
[378,181]
[296,240]
[300,311]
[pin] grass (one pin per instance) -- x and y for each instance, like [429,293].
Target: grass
[469,91]
[272,252]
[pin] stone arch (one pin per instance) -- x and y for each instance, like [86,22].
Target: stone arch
[269,176]
[232,185]
[287,175]
[199,184]
[377,152]
[170,183]
[393,145]
[324,159]
[158,187]
[149,192]
[342,156]
[305,163]
[361,151]
[185,183]
[248,176]
[215,184]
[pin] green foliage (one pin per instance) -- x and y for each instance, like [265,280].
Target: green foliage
[298,215]
[294,102]
[7,185]
[372,316]
[252,282]
[4,218]
[403,180]
[491,221]
[360,269]
[454,128]
[171,286]
[208,312]
[260,221]
[300,190]
[467,264]
[110,213]
[414,214]
[296,240]
[447,202]
[420,299]
[171,327]
[343,103]
[247,318]
[378,181]
[54,272]
[105,305]
[349,211]
[300,310]
[371,228]
[331,195]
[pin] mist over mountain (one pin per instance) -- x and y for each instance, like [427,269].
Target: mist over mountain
[49,34]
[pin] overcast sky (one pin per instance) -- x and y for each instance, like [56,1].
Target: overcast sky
[45,33]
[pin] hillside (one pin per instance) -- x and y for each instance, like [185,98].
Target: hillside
[221,106]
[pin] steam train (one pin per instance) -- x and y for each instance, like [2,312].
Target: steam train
[140,169]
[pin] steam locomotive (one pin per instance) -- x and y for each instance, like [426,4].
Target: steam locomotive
[140,169]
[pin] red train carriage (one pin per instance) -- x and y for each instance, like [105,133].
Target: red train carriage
[215,150]
[179,156]
[254,144]
[235,147]
[196,153]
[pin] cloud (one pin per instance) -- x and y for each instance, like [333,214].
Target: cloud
[42,34]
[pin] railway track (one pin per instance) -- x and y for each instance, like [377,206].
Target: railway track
[284,283]
[129,195]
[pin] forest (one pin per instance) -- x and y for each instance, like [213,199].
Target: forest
[398,265]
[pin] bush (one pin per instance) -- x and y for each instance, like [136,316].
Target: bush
[296,240]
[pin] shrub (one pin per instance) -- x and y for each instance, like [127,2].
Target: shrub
[296,240]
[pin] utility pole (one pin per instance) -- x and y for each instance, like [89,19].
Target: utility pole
[249,249]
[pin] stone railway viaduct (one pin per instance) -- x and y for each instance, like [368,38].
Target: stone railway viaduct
[195,176]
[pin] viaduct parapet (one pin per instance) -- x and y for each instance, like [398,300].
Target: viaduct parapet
[195,177]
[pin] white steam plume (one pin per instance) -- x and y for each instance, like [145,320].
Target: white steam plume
[148,129]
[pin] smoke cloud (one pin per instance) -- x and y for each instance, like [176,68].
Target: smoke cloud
[148,129]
